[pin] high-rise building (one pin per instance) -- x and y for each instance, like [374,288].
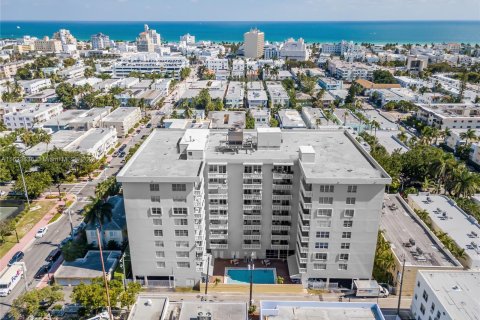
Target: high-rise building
[254,41]
[65,37]
[310,198]
[294,50]
[148,40]
[100,41]
[188,38]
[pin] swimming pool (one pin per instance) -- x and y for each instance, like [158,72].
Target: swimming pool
[242,276]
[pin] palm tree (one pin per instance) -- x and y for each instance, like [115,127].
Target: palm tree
[375,125]
[267,69]
[468,135]
[275,72]
[466,183]
[188,112]
[318,122]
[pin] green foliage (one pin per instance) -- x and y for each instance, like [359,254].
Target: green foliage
[68,62]
[274,122]
[184,73]
[36,183]
[74,250]
[24,73]
[6,228]
[28,303]
[66,94]
[383,76]
[402,106]
[249,121]
[384,262]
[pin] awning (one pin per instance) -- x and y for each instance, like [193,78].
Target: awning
[293,270]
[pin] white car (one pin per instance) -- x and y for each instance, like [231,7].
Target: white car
[41,232]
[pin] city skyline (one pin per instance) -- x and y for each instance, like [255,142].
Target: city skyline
[269,10]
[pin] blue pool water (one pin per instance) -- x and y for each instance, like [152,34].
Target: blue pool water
[260,276]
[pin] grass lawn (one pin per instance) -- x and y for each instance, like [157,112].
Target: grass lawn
[55,217]
[26,223]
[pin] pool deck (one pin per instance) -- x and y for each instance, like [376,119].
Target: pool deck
[280,267]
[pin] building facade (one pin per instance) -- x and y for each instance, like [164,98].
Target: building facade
[253,42]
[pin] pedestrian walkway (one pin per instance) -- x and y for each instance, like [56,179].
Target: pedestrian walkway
[78,187]
[27,239]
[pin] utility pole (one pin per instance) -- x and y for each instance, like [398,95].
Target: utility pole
[104,275]
[23,180]
[208,277]
[251,267]
[123,271]
[401,287]
[69,211]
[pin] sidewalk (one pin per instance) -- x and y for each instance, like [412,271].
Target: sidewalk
[30,236]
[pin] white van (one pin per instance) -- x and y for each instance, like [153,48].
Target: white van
[9,279]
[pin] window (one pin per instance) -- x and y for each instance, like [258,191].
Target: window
[160,264]
[325,200]
[181,244]
[425,296]
[179,187]
[158,233]
[319,266]
[182,254]
[352,189]
[320,256]
[432,308]
[342,266]
[180,222]
[350,200]
[154,187]
[347,224]
[345,245]
[327,188]
[323,234]
[180,211]
[181,233]
[343,256]
[159,244]
[324,213]
[321,245]
[156,211]
[183,264]
[422,308]
[346,235]
[324,224]
[160,254]
[157,222]
[155,198]
[349,213]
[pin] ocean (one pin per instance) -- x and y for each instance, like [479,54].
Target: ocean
[372,31]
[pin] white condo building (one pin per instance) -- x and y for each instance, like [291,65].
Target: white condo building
[100,41]
[150,63]
[311,198]
[27,115]
[148,40]
[253,42]
[294,50]
[188,39]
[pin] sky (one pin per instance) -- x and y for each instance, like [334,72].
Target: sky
[239,10]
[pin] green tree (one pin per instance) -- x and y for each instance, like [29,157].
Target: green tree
[129,296]
[383,76]
[184,73]
[68,62]
[74,250]
[28,303]
[66,94]
[36,183]
[249,120]
[6,228]
[89,73]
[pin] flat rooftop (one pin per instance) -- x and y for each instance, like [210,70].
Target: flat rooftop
[338,155]
[218,310]
[257,95]
[119,114]
[255,85]
[90,138]
[235,91]
[60,139]
[227,119]
[293,310]
[64,118]
[400,224]
[290,118]
[386,139]
[452,110]
[149,307]
[42,94]
[458,292]
[88,267]
[448,217]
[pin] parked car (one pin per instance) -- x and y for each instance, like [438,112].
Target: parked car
[41,232]
[18,256]
[42,271]
[54,255]
[149,125]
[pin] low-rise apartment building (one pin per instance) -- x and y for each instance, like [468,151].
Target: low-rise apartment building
[294,50]
[277,93]
[72,72]
[35,85]
[181,198]
[150,63]
[290,119]
[444,295]
[123,119]
[48,45]
[27,115]
[9,69]
[451,115]
[235,96]
[45,96]
[350,71]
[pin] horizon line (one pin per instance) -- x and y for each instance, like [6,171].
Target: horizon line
[294,21]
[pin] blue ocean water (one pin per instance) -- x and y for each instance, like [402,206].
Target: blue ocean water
[372,31]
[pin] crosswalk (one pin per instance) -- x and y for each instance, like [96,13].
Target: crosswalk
[78,187]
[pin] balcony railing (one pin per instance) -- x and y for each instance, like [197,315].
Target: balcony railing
[280,246]
[282,197]
[218,246]
[252,217]
[305,192]
[252,227]
[252,236]
[218,216]
[281,218]
[218,206]
[280,237]
[217,186]
[252,186]
[252,197]
[251,246]
[278,175]
[306,205]
[198,193]
[252,207]
[282,186]
[218,226]
[218,236]
[218,196]
[280,207]
[257,175]
[280,228]
[216,175]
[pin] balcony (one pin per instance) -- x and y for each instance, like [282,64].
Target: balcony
[251,246]
[252,217]
[280,237]
[281,218]
[218,236]
[252,196]
[305,205]
[280,208]
[198,193]
[252,186]
[257,175]
[216,175]
[252,237]
[305,192]
[199,237]
[218,216]
[249,207]
[280,175]
[199,226]
[199,213]
[282,197]
[282,187]
[218,226]
[303,215]
[280,228]
[218,246]
[218,206]
[303,239]
[252,227]
[218,196]
[217,186]
[199,202]
[280,246]
[303,249]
